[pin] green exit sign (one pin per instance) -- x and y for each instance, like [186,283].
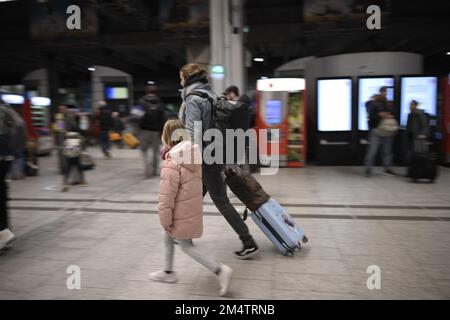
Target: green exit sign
[218,69]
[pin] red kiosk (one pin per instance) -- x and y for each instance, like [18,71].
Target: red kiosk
[446,120]
[281,104]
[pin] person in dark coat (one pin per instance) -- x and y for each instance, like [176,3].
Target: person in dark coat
[417,127]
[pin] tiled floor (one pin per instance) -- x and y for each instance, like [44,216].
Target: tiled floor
[110,230]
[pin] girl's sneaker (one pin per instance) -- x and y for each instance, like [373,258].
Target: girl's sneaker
[224,276]
[6,238]
[162,276]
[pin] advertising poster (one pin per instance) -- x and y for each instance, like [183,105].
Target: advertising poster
[332,14]
[421,89]
[186,16]
[49,21]
[368,87]
[334,104]
[296,134]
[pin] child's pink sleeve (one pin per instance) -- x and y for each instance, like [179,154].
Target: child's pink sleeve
[168,189]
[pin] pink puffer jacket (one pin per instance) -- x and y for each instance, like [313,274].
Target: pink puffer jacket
[180,196]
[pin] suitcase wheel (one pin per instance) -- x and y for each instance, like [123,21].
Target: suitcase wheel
[289,253]
[305,239]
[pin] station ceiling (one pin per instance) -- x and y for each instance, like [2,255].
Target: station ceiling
[130,38]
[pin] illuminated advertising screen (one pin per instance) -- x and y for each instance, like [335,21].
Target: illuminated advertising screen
[334,104]
[114,93]
[368,87]
[421,89]
[273,112]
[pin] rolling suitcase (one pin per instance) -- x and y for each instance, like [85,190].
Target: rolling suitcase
[423,163]
[273,220]
[279,227]
[130,140]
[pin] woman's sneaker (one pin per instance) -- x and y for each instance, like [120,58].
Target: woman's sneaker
[224,276]
[246,252]
[162,276]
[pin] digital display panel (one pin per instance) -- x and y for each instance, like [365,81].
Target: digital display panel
[367,87]
[114,93]
[334,104]
[421,89]
[273,112]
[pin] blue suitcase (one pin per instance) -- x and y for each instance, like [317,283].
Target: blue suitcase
[279,227]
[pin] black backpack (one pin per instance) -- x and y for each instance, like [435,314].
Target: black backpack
[226,115]
[154,114]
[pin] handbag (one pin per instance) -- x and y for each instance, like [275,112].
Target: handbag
[114,136]
[387,127]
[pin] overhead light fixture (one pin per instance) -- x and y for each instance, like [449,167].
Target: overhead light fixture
[40,101]
[91,69]
[258,59]
[150,82]
[448,53]
[12,98]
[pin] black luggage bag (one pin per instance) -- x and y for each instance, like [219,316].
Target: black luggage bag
[424,164]
[245,187]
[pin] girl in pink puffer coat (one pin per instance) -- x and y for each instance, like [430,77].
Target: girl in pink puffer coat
[180,203]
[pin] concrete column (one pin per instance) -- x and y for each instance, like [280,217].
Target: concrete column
[53,86]
[237,50]
[97,90]
[217,41]
[226,42]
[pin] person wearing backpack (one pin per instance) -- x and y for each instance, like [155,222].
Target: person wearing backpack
[195,108]
[13,137]
[72,150]
[150,126]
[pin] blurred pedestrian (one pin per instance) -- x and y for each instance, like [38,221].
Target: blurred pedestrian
[194,108]
[64,122]
[13,136]
[105,124]
[232,93]
[378,110]
[74,145]
[181,204]
[240,120]
[84,124]
[151,125]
